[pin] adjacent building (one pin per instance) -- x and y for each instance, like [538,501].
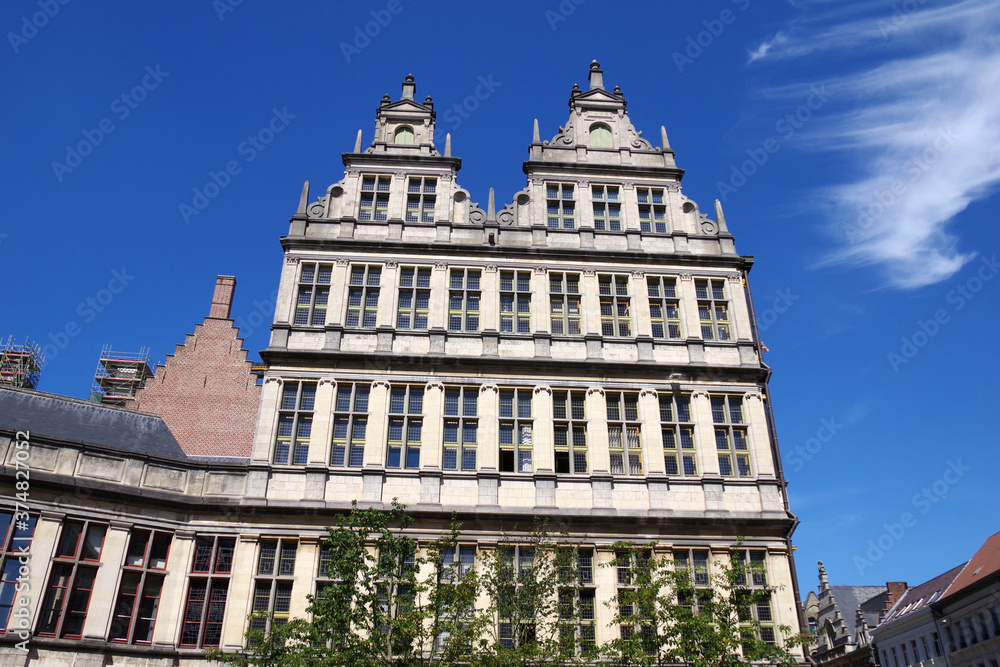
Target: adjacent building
[585,353]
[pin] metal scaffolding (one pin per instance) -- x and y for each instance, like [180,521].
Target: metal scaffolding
[20,364]
[120,375]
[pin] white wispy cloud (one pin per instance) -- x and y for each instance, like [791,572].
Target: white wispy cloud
[920,123]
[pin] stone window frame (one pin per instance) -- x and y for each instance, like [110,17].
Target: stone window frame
[512,427]
[732,437]
[560,205]
[312,294]
[415,285]
[713,309]
[349,430]
[296,409]
[607,209]
[616,305]
[409,417]
[651,202]
[664,307]
[625,563]
[677,430]
[465,298]
[421,195]
[149,564]
[565,297]
[272,584]
[520,560]
[515,301]
[364,286]
[373,203]
[80,561]
[578,603]
[15,544]
[214,578]
[762,610]
[565,419]
[461,453]
[624,432]
[697,562]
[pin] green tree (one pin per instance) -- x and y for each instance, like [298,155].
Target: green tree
[672,613]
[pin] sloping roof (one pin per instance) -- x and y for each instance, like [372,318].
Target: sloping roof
[849,599]
[920,597]
[986,562]
[52,417]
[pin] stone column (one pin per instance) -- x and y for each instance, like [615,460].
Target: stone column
[590,303]
[241,585]
[641,322]
[387,297]
[704,433]
[173,596]
[597,431]
[489,301]
[270,397]
[488,444]
[652,438]
[102,598]
[338,292]
[542,438]
[322,426]
[437,317]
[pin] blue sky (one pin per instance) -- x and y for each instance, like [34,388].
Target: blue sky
[854,145]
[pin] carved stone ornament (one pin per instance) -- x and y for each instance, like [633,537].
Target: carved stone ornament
[327,381]
[434,385]
[506,216]
[541,270]
[489,387]
[734,277]
[399,174]
[353,173]
[753,395]
[490,268]
[317,210]
[342,262]
[277,381]
[441,266]
[686,277]
[589,273]
[537,180]
[380,383]
[595,390]
[292,260]
[567,134]
[547,390]
[392,265]
[477,216]
[635,139]
[699,393]
[708,227]
[638,274]
[648,392]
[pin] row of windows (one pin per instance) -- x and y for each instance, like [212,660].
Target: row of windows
[561,212]
[465,296]
[78,555]
[516,426]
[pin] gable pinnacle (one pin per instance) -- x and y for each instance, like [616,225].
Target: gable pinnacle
[596,76]
[409,88]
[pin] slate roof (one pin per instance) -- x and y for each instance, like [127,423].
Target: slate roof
[60,418]
[984,563]
[850,598]
[920,597]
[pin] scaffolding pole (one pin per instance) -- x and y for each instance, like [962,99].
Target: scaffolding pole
[20,364]
[120,375]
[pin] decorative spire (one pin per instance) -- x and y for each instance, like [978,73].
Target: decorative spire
[663,140]
[596,76]
[536,138]
[409,88]
[357,143]
[491,208]
[447,145]
[304,199]
[720,218]
[823,583]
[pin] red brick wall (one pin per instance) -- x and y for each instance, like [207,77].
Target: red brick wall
[205,392]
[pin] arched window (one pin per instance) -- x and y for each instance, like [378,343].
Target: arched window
[600,136]
[404,135]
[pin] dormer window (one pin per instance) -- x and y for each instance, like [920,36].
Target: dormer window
[404,135]
[600,136]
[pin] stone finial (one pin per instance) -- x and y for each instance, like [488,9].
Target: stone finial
[720,217]
[536,138]
[491,208]
[357,143]
[447,145]
[576,89]
[823,582]
[385,100]
[222,298]
[428,102]
[409,88]
[663,140]
[304,199]
[596,76]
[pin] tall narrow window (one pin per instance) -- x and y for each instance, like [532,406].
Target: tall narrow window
[569,423]
[313,294]
[16,531]
[414,298]
[515,430]
[374,198]
[652,211]
[362,296]
[616,313]
[751,578]
[141,583]
[576,601]
[713,309]
[420,197]
[693,562]
[208,592]
[403,135]
[623,433]
[607,208]
[71,582]
[463,300]
[677,430]
[629,565]
[564,299]
[406,404]
[515,301]
[516,615]
[600,136]
[457,567]
[561,206]
[272,595]
[350,423]
[461,409]
[298,399]
[731,436]
[664,308]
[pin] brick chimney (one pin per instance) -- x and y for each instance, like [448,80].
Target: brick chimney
[896,590]
[222,299]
